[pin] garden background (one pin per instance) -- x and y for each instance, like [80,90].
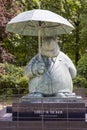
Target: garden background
[17,50]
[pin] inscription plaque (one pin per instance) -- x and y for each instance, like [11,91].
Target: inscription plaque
[48,111]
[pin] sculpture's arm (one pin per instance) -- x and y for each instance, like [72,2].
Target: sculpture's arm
[72,70]
[28,69]
[34,68]
[70,65]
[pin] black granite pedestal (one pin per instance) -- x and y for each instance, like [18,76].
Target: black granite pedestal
[48,110]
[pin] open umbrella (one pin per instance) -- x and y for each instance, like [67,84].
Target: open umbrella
[39,22]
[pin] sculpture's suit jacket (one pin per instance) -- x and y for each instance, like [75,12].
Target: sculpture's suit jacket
[57,78]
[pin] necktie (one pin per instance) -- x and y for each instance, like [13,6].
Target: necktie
[47,62]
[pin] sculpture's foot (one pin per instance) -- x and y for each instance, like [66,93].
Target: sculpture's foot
[60,95]
[35,95]
[67,95]
[31,97]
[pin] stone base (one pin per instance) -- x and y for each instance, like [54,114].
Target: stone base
[39,125]
[48,110]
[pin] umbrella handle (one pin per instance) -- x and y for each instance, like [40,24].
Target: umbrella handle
[39,43]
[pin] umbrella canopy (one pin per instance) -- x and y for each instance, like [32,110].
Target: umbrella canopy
[39,22]
[29,22]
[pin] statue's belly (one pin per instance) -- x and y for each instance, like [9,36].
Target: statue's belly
[61,80]
[56,80]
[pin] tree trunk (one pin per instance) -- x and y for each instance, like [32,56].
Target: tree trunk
[77,55]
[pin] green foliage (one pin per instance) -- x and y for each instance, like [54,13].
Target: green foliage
[82,66]
[13,81]
[23,47]
[80,81]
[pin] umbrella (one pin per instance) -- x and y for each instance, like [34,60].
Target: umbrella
[39,22]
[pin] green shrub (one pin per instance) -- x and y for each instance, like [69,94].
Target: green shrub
[82,66]
[13,81]
[80,81]
[23,85]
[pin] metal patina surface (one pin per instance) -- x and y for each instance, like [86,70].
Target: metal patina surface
[50,74]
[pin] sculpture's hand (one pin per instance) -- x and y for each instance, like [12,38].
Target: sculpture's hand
[41,68]
[38,68]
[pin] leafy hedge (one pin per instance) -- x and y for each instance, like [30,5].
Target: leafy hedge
[81,79]
[82,66]
[12,80]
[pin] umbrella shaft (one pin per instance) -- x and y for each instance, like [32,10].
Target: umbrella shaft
[39,42]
